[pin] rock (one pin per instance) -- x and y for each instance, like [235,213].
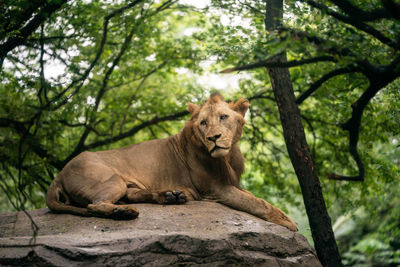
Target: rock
[197,233]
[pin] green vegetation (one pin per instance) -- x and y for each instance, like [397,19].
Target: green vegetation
[94,75]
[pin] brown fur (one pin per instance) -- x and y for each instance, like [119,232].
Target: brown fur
[202,161]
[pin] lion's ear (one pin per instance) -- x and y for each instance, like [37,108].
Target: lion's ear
[241,106]
[192,108]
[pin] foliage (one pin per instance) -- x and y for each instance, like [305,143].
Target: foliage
[92,61]
[103,74]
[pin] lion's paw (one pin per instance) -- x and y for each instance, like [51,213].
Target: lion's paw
[174,197]
[288,223]
[123,212]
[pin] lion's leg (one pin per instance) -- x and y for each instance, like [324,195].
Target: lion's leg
[136,195]
[245,201]
[104,195]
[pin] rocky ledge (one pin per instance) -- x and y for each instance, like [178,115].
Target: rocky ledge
[197,233]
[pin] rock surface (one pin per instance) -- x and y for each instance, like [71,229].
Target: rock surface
[197,233]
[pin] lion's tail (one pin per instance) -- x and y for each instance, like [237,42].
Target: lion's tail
[55,205]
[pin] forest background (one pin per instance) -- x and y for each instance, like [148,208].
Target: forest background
[95,75]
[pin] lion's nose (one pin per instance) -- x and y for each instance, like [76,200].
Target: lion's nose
[214,138]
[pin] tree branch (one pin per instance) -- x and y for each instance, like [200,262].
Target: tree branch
[82,125]
[393,7]
[52,38]
[323,79]
[43,83]
[29,28]
[137,128]
[379,77]
[253,9]
[134,91]
[354,22]
[31,141]
[261,95]
[82,79]
[14,18]
[102,90]
[356,12]
[167,4]
[277,64]
[320,43]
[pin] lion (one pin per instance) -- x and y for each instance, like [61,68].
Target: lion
[201,162]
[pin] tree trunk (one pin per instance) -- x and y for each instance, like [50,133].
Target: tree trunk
[299,153]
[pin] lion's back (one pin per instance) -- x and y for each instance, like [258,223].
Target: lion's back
[154,163]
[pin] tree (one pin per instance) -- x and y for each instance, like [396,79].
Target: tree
[298,149]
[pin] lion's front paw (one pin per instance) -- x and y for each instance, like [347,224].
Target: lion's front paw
[277,216]
[174,197]
[288,223]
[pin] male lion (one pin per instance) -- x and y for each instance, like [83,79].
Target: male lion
[202,161]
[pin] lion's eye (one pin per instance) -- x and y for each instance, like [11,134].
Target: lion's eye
[203,123]
[223,117]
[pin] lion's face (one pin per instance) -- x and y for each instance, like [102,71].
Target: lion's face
[218,125]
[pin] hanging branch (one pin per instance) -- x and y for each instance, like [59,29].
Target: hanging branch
[21,188]
[379,77]
[353,127]
[43,84]
[31,141]
[276,64]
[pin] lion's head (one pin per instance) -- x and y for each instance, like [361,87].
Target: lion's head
[217,124]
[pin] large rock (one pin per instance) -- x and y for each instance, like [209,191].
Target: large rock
[197,233]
